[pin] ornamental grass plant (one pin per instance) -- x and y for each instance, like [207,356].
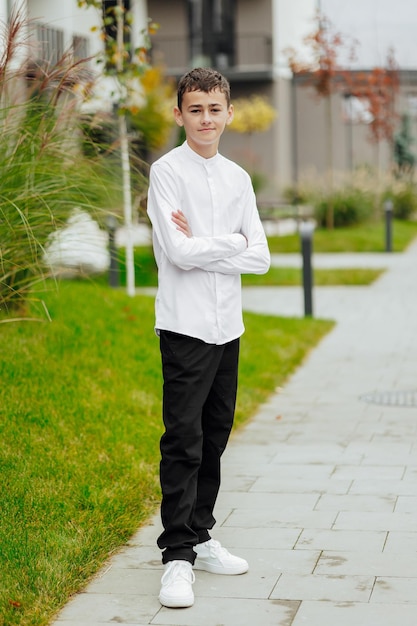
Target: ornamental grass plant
[44,175]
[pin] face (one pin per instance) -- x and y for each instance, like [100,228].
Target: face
[204,117]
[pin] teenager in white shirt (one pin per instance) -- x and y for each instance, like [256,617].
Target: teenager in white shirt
[206,233]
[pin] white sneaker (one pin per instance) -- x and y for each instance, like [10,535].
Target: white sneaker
[176,590]
[213,558]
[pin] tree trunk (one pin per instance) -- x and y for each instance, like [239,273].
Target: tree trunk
[127,205]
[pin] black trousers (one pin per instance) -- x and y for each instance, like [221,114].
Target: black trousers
[199,397]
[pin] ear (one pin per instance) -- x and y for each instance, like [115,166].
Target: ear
[178,116]
[230,114]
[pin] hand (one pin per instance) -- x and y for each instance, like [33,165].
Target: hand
[181,223]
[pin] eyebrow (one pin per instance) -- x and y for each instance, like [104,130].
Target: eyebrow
[211,104]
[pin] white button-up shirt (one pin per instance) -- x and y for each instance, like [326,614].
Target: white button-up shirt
[199,285]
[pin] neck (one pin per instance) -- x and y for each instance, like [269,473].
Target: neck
[207,152]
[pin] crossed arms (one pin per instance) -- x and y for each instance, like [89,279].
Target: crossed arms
[232,253]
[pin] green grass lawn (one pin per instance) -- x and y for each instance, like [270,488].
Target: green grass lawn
[364,238]
[79,433]
[291,276]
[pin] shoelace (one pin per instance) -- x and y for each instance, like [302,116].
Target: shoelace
[178,570]
[216,549]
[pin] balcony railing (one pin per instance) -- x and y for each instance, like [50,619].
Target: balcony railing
[253,52]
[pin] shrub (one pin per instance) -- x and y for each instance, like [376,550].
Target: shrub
[295,195]
[405,201]
[259,181]
[349,207]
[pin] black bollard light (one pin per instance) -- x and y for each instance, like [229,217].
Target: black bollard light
[111,223]
[306,236]
[389,207]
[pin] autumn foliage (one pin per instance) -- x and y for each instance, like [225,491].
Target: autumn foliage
[322,69]
[376,88]
[251,115]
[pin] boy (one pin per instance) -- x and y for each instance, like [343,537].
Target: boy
[206,233]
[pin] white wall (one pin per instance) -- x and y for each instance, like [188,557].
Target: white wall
[140,21]
[67,16]
[3,11]
[6,7]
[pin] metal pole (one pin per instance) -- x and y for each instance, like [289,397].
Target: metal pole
[114,266]
[388,206]
[306,235]
[125,158]
[294,133]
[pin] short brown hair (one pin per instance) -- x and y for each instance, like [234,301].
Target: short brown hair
[203,79]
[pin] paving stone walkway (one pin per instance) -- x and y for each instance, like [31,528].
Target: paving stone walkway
[319,491]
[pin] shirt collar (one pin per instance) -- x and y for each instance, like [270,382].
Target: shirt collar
[197,157]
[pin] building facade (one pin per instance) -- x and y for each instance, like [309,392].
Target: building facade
[353,145]
[57,27]
[246,40]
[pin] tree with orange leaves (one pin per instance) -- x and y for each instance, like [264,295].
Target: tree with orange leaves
[324,72]
[377,89]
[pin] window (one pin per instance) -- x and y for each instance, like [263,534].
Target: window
[50,43]
[412,104]
[356,110]
[211,29]
[80,47]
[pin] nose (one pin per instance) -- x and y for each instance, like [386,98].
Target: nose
[206,117]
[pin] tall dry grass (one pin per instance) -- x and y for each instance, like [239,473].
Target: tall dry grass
[44,174]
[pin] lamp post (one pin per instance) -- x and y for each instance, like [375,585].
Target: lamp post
[306,236]
[388,206]
[111,223]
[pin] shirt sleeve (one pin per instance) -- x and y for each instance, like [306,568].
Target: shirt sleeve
[185,252]
[256,258]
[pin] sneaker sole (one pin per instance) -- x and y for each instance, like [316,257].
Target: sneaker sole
[176,603]
[216,569]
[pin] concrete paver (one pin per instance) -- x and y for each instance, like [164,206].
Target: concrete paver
[325,613]
[319,491]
